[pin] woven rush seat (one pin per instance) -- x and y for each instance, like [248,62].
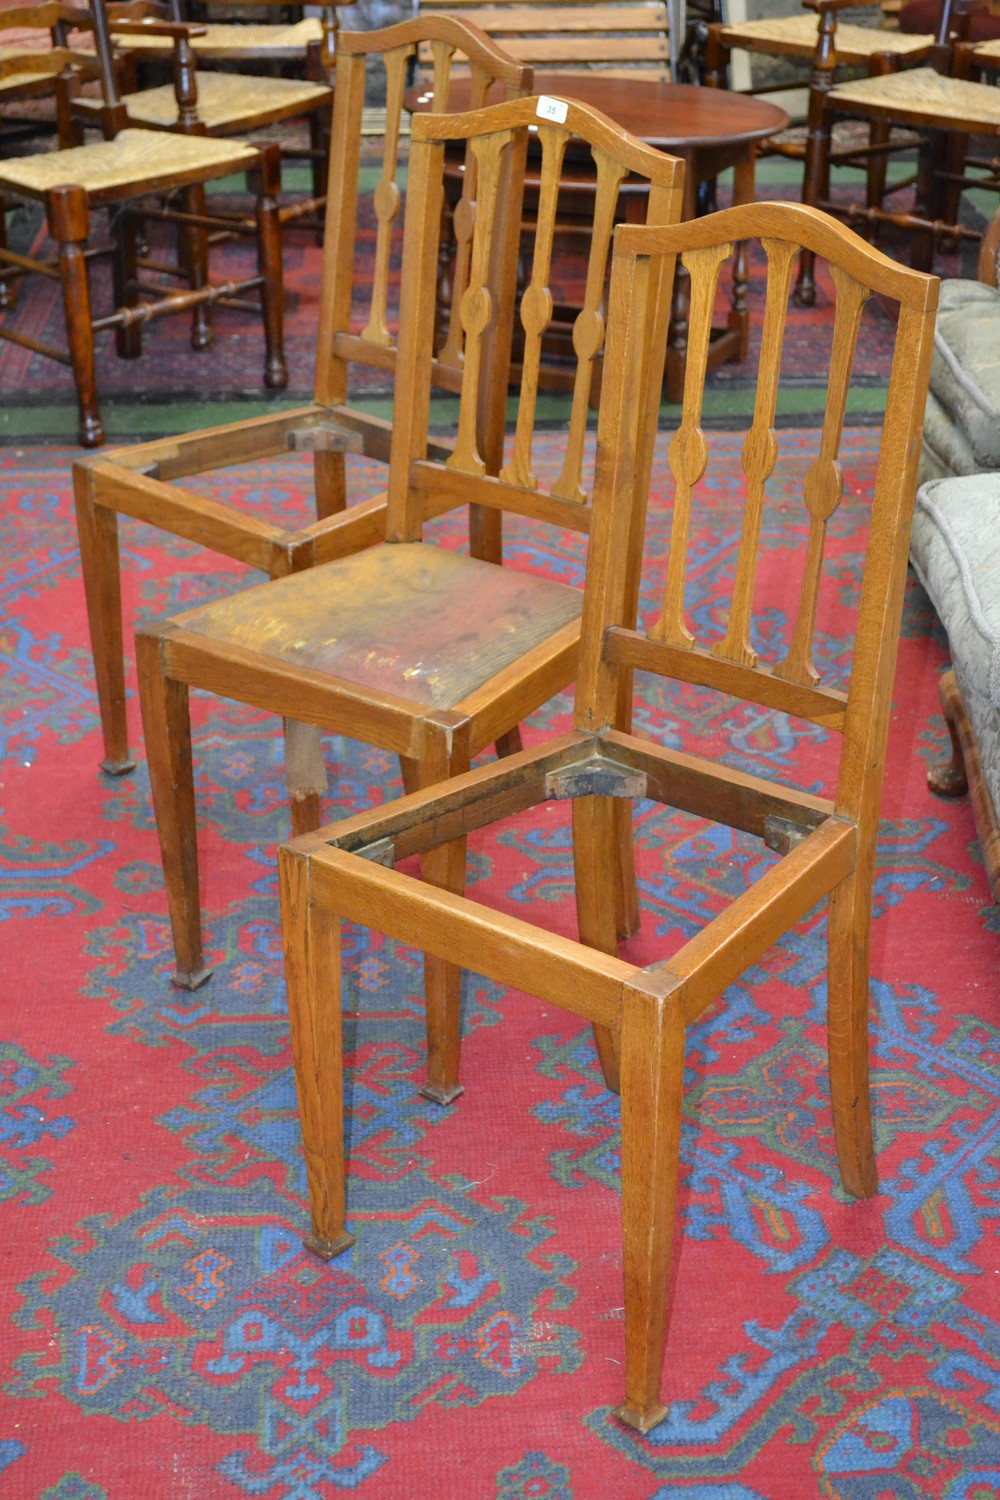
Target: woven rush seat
[237,42]
[108,167]
[414,621]
[795,36]
[224,99]
[846,136]
[988,52]
[955,550]
[924,95]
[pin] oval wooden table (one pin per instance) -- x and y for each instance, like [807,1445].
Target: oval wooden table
[712,130]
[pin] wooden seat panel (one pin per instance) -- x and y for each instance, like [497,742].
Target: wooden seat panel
[414,621]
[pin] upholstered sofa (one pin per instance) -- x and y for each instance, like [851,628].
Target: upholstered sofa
[955,551]
[955,546]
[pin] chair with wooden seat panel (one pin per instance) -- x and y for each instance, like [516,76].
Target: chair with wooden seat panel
[421,650]
[201,102]
[131,174]
[758,646]
[357,330]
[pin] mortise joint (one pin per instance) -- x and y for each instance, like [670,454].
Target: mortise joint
[327,437]
[596,777]
[781,835]
[379,852]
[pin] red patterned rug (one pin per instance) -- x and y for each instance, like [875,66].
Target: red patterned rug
[162,1331]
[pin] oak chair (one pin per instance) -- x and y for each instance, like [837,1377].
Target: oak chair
[943,109]
[199,101]
[824,846]
[431,653]
[356,330]
[131,174]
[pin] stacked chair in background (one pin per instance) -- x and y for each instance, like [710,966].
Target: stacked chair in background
[139,176]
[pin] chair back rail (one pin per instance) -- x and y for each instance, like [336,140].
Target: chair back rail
[733,661]
[625,36]
[494,135]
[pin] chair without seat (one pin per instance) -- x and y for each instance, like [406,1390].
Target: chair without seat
[131,174]
[421,650]
[824,846]
[356,329]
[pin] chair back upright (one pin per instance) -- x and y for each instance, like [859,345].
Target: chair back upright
[32,68]
[488,217]
[358,321]
[766,632]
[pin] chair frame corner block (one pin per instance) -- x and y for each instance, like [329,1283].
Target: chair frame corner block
[826,845]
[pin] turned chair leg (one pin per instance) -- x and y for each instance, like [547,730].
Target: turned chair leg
[267,183]
[596,822]
[166,725]
[8,290]
[193,254]
[128,337]
[69,226]
[313,975]
[443,867]
[652,1064]
[848,943]
[97,530]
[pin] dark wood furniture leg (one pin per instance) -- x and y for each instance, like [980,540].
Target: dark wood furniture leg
[964,773]
[69,226]
[267,184]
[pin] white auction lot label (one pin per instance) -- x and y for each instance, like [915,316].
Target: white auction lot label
[552,109]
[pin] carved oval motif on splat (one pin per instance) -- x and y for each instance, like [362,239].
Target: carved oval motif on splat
[477,310]
[823,487]
[464,219]
[536,308]
[386,198]
[588,334]
[760,452]
[688,454]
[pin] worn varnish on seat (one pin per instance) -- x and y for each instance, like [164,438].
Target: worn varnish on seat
[357,328]
[760,646]
[431,656]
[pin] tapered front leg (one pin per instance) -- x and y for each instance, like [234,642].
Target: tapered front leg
[167,727]
[652,1076]
[446,754]
[848,940]
[97,530]
[595,863]
[311,936]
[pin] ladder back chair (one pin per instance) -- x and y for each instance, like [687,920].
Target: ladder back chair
[308,43]
[830,45]
[199,101]
[425,651]
[131,174]
[823,846]
[943,109]
[357,329]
